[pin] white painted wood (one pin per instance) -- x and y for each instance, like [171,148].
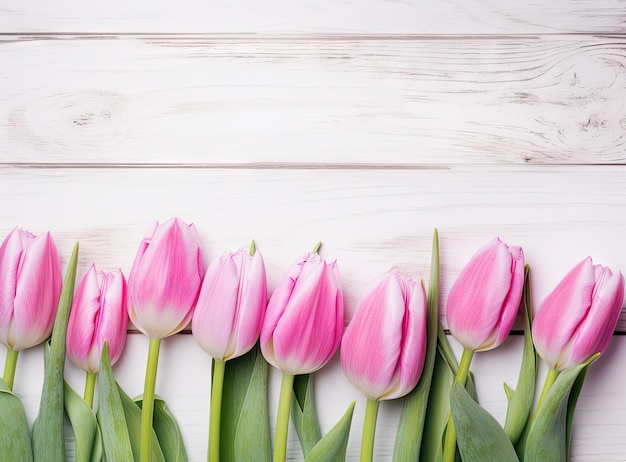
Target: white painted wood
[369,220]
[363,124]
[599,424]
[325,16]
[318,100]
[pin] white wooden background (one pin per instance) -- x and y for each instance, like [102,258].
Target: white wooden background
[363,124]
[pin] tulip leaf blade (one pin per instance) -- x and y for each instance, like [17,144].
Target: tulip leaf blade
[479,435]
[571,405]
[245,429]
[333,446]
[132,415]
[48,437]
[548,438]
[84,425]
[15,441]
[437,413]
[520,401]
[304,414]
[252,437]
[166,432]
[115,438]
[412,419]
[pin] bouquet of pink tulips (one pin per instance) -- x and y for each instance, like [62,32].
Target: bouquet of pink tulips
[394,347]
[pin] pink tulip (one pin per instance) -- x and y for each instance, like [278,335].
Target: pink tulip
[484,300]
[165,279]
[98,313]
[384,346]
[303,323]
[577,319]
[30,285]
[229,313]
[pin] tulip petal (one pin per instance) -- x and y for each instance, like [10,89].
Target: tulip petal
[306,336]
[276,307]
[252,304]
[113,316]
[81,324]
[594,334]
[481,304]
[566,307]
[371,343]
[165,279]
[10,256]
[37,293]
[413,350]
[213,320]
[304,320]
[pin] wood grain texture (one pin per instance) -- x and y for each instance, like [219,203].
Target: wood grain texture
[361,124]
[370,220]
[405,102]
[183,380]
[325,16]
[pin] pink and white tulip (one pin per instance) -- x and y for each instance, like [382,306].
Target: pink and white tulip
[228,316]
[384,346]
[577,319]
[98,313]
[303,323]
[30,286]
[484,300]
[165,279]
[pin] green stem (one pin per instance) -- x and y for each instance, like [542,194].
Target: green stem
[282,419]
[547,385]
[147,407]
[369,430]
[90,386]
[9,368]
[316,249]
[449,447]
[217,386]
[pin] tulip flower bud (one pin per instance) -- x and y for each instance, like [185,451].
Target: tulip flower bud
[228,316]
[577,319]
[98,313]
[303,323]
[384,346]
[484,300]
[165,279]
[30,285]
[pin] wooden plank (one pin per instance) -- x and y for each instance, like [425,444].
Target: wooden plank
[326,16]
[312,101]
[183,380]
[369,220]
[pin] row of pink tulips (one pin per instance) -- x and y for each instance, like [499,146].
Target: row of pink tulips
[302,325]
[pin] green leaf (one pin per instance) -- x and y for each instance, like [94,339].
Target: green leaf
[411,426]
[571,405]
[332,447]
[132,415]
[48,429]
[98,452]
[304,414]
[245,428]
[115,437]
[166,432]
[479,436]
[547,439]
[84,426]
[14,434]
[520,401]
[437,413]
